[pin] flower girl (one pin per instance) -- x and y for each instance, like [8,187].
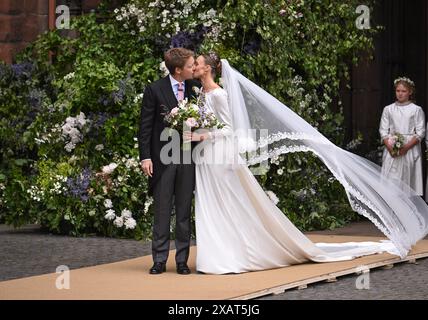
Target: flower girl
[402,128]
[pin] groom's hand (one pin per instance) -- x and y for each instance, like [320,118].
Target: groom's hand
[147,167]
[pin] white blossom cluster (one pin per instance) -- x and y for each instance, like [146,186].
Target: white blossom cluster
[130,163]
[139,97]
[125,219]
[72,130]
[147,204]
[169,16]
[36,193]
[303,193]
[69,76]
[53,136]
[58,184]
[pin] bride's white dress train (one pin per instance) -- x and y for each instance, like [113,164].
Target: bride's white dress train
[238,227]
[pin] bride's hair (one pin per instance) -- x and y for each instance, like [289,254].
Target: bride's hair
[212,59]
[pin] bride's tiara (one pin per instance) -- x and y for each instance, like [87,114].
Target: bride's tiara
[404,79]
[213,56]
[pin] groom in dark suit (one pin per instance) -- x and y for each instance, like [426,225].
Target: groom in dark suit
[169,183]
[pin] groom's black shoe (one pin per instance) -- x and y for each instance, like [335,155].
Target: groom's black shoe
[158,268]
[182,268]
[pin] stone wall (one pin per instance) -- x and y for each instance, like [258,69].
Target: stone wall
[21,21]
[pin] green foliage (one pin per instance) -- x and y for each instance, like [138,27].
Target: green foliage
[69,111]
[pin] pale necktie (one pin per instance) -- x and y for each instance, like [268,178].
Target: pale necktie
[180,91]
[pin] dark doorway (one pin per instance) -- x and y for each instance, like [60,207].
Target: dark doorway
[401,49]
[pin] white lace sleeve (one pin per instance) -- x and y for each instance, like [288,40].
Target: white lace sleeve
[221,105]
[420,124]
[384,124]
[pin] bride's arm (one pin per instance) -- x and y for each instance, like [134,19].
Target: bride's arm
[221,105]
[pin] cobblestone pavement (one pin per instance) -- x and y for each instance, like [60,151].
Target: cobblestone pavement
[28,251]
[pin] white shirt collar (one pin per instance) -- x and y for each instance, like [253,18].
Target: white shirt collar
[173,81]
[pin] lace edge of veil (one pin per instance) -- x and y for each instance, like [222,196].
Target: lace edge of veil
[402,248]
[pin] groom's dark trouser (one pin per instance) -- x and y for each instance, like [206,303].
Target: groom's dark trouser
[175,185]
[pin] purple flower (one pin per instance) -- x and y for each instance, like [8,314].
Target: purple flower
[182,39]
[124,85]
[22,70]
[98,119]
[78,187]
[192,41]
[252,47]
[103,100]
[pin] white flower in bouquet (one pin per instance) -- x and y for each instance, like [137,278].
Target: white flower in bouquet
[191,122]
[396,141]
[194,115]
[182,104]
[194,107]
[272,197]
[118,222]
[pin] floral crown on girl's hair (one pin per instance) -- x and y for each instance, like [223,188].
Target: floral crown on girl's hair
[404,79]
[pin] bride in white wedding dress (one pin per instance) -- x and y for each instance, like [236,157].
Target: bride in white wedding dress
[238,227]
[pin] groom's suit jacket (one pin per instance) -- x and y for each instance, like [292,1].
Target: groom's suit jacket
[158,99]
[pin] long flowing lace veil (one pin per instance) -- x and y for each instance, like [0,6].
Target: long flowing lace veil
[394,208]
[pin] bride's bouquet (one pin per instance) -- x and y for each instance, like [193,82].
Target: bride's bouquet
[191,115]
[397,142]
